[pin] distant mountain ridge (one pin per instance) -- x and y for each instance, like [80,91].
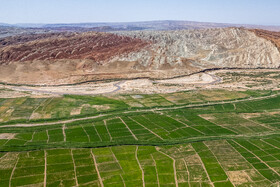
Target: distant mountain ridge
[144,25]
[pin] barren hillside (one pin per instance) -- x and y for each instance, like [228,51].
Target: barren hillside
[230,47]
[95,46]
[62,58]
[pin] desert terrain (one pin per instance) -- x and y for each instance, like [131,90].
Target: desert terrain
[70,58]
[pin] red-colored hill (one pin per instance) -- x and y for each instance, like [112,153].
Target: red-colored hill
[91,45]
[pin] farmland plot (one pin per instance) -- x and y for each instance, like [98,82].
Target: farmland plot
[218,163]
[210,144]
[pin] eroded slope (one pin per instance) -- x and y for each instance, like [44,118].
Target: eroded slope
[95,46]
[230,47]
[63,58]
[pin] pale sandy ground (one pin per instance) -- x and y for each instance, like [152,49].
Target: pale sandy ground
[202,78]
[198,81]
[126,86]
[86,89]
[7,135]
[11,93]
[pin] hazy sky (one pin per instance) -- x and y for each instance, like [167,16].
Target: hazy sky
[74,11]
